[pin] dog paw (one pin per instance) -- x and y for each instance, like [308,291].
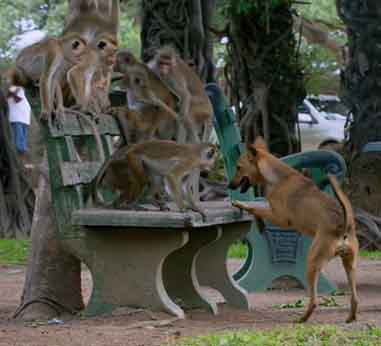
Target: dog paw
[351,319]
[238,204]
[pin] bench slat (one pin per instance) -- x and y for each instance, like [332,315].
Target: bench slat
[75,126]
[217,213]
[74,173]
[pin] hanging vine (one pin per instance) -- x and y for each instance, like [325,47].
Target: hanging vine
[183,24]
[264,71]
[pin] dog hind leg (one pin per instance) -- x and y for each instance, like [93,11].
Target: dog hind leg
[349,262]
[318,257]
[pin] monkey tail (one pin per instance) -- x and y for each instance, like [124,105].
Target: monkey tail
[102,158]
[94,130]
[345,203]
[97,182]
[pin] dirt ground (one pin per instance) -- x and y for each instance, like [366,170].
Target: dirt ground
[143,328]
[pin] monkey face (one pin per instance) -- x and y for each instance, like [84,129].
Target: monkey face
[138,88]
[208,157]
[74,47]
[107,46]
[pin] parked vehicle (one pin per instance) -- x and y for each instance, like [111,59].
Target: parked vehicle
[321,119]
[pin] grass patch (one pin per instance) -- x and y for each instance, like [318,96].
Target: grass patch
[238,250]
[295,336]
[370,254]
[13,251]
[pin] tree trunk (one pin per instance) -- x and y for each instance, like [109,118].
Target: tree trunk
[264,73]
[16,194]
[53,279]
[183,24]
[361,82]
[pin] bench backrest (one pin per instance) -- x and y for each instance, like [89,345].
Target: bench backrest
[70,175]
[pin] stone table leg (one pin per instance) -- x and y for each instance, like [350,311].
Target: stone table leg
[212,264]
[179,272]
[126,267]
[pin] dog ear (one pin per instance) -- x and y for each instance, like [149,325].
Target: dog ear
[260,143]
[252,151]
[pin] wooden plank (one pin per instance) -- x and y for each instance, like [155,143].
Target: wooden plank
[74,173]
[217,213]
[75,126]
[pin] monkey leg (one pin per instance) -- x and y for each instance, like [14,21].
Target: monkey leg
[190,196]
[155,191]
[174,185]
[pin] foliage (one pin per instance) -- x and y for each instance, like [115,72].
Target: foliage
[295,336]
[13,251]
[373,255]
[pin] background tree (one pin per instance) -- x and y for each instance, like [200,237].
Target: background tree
[264,71]
[362,94]
[183,24]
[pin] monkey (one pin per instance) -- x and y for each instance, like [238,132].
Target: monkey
[131,168]
[46,62]
[90,79]
[150,111]
[143,84]
[195,120]
[96,22]
[195,107]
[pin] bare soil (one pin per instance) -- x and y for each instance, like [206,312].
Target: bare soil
[144,328]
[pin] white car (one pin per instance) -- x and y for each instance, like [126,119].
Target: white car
[317,125]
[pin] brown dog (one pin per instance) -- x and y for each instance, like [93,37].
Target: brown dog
[296,202]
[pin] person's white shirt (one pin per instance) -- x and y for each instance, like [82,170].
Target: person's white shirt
[19,111]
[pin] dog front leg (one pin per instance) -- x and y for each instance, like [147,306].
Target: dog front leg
[260,212]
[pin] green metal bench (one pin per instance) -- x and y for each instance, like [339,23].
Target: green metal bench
[145,259]
[274,253]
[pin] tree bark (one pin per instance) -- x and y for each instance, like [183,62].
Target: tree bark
[53,279]
[184,25]
[361,84]
[264,74]
[16,194]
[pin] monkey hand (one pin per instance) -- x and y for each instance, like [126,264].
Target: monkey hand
[44,116]
[200,211]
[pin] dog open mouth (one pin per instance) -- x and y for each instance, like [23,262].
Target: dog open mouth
[244,184]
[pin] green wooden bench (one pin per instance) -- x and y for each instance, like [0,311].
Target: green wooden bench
[274,253]
[143,259]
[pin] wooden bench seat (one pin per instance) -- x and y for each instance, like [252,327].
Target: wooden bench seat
[217,212]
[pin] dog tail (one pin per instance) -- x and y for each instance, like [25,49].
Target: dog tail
[345,203]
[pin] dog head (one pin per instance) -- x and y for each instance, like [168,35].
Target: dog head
[248,172]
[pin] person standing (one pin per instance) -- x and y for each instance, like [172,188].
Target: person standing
[19,116]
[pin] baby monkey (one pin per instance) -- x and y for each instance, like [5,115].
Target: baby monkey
[152,163]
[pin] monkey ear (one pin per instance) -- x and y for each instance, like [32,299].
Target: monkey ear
[260,143]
